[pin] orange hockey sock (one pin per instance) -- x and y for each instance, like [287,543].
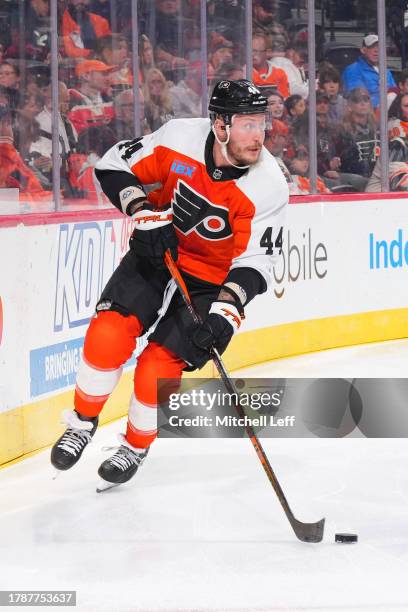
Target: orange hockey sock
[155,362]
[109,342]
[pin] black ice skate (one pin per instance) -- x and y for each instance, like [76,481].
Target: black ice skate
[121,466]
[69,447]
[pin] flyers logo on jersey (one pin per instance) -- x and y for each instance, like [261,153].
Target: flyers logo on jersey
[193,212]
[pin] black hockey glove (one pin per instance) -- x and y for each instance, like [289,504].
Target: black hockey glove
[217,329]
[153,234]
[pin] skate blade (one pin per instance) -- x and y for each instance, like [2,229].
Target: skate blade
[55,474]
[104,485]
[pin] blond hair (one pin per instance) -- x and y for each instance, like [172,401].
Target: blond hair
[164,101]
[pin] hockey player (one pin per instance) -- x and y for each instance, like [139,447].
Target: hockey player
[219,209]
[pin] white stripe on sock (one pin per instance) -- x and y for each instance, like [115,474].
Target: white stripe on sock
[93,381]
[141,416]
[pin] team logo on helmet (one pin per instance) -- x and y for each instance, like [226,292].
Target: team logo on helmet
[193,212]
[224,84]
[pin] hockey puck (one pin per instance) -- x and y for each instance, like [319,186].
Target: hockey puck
[346,538]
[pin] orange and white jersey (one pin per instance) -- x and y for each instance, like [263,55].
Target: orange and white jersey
[300,185]
[85,112]
[397,128]
[225,218]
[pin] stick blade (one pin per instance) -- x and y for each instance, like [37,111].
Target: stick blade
[309,532]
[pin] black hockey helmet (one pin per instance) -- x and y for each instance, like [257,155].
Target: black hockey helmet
[236,97]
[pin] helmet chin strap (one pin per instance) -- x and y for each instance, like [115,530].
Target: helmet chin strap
[223,145]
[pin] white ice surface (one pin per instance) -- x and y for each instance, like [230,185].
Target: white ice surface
[200,528]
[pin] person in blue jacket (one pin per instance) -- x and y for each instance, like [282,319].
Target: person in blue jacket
[365,73]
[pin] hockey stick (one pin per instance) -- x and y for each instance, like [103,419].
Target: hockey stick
[306,532]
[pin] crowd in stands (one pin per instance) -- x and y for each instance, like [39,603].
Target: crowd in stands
[97,91]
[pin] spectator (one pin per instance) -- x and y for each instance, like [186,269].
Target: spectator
[295,107]
[329,83]
[398,168]
[102,8]
[358,136]
[30,105]
[299,127]
[146,56]
[227,71]
[227,20]
[275,108]
[327,160]
[89,103]
[158,107]
[186,95]
[264,72]
[123,123]
[193,39]
[276,105]
[224,14]
[275,138]
[113,50]
[169,46]
[230,71]
[364,72]
[81,29]
[217,33]
[403,81]
[263,22]
[10,81]
[292,62]
[117,14]
[299,169]
[14,173]
[26,130]
[41,149]
[92,144]
[275,141]
[37,32]
[329,163]
[221,53]
[37,78]
[398,117]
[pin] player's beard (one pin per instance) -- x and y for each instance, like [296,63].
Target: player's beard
[242,156]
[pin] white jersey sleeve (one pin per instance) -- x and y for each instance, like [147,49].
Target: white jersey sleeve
[266,187]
